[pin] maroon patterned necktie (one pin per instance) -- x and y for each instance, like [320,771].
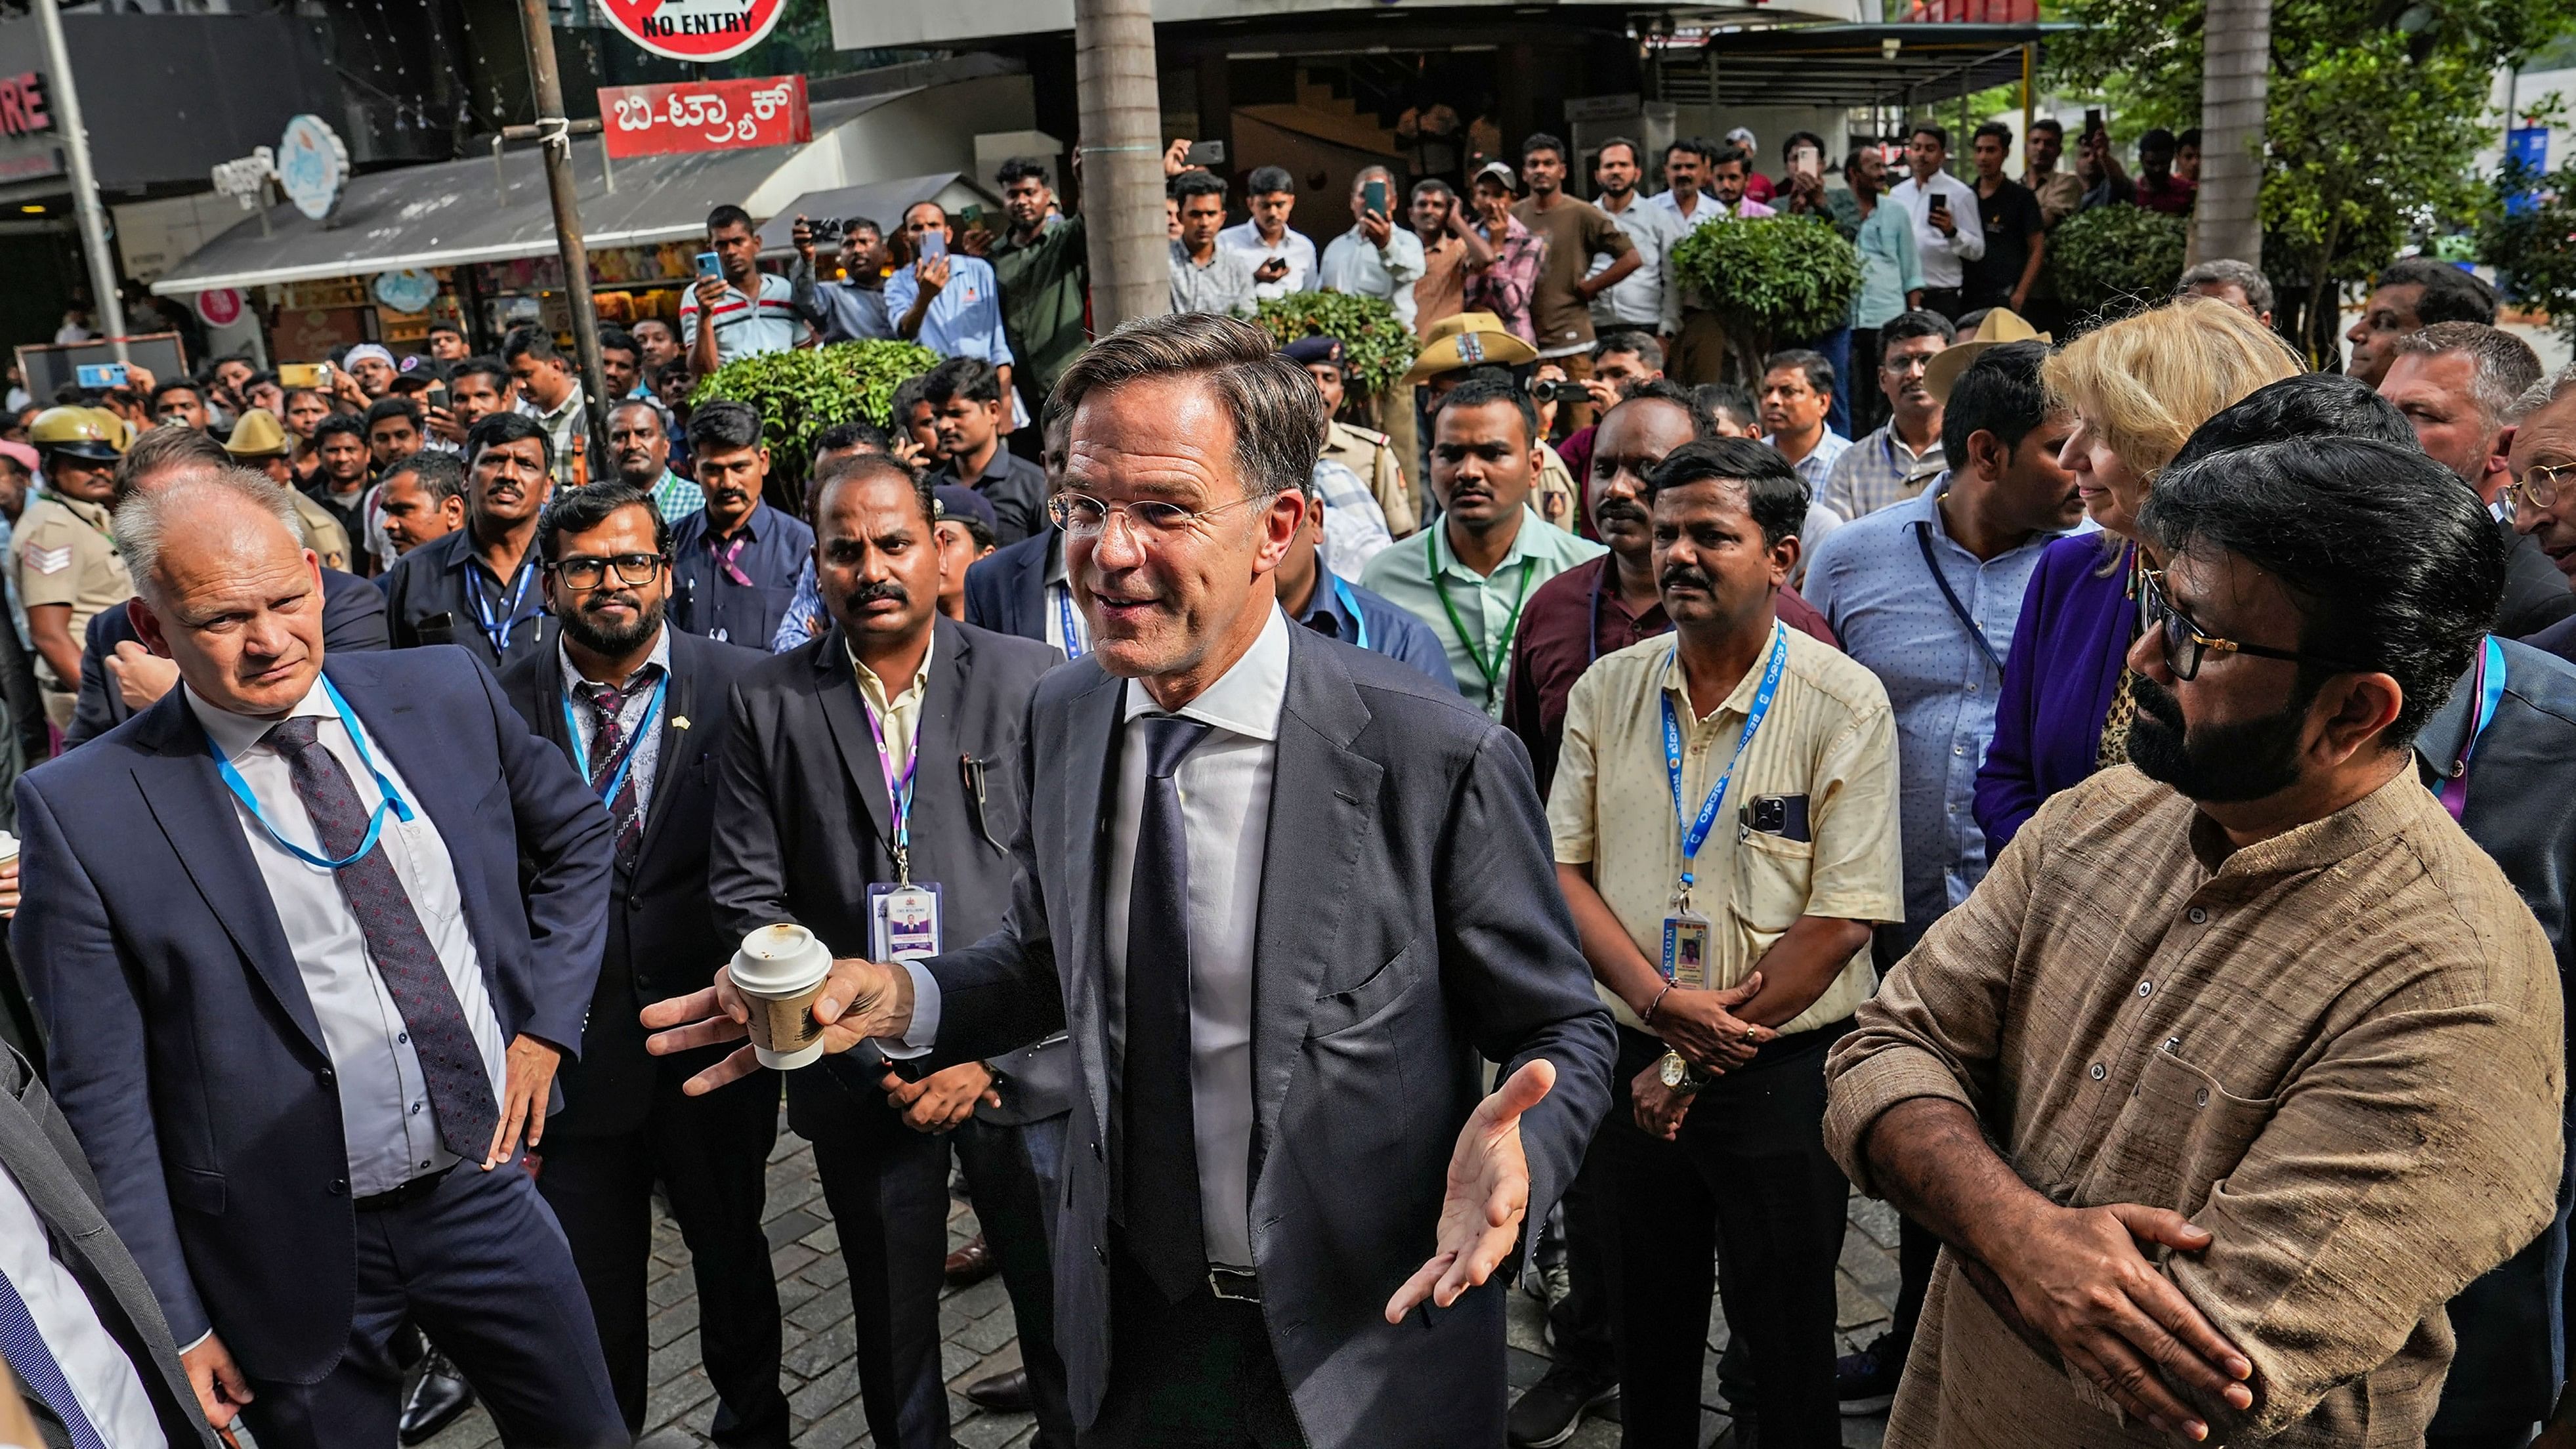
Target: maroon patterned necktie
[460,1083]
[606,742]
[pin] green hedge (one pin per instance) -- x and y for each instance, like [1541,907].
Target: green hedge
[1378,346]
[2112,260]
[1770,279]
[800,394]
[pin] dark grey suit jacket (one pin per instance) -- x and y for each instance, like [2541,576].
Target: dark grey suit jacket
[38,1149]
[803,826]
[1410,928]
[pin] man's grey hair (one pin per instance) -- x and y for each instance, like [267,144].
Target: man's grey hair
[143,519]
[2541,394]
[2506,367]
[2228,272]
[1277,411]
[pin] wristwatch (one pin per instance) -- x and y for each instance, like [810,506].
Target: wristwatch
[1679,1075]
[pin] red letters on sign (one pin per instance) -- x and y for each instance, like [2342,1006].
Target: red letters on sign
[22,105]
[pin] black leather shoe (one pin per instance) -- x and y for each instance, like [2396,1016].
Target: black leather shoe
[1006,1392]
[435,1401]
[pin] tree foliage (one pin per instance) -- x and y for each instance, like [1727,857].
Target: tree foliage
[2113,259]
[2534,250]
[1377,347]
[2377,109]
[1769,279]
[801,393]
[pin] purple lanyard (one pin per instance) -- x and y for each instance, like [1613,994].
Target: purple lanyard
[725,558]
[898,792]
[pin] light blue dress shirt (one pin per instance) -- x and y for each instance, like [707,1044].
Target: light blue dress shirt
[1870,580]
[964,320]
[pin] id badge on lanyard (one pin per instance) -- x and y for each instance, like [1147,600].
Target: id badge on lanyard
[1686,935]
[903,920]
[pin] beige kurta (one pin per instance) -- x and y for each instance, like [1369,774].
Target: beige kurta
[2337,1050]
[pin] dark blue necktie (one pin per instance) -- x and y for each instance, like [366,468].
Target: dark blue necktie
[1161,1170]
[37,1368]
[460,1085]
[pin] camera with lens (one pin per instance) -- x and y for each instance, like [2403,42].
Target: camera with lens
[827,228]
[1552,391]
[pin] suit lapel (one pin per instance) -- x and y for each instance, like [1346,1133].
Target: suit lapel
[934,744]
[1089,748]
[1323,804]
[680,702]
[1030,594]
[836,688]
[196,814]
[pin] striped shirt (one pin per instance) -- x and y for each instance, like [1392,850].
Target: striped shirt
[745,327]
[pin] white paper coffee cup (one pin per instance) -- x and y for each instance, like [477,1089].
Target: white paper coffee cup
[780,970]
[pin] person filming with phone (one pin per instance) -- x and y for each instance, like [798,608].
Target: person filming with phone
[950,303]
[736,309]
[1947,232]
[1375,258]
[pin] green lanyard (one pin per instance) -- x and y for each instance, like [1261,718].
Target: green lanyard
[1491,669]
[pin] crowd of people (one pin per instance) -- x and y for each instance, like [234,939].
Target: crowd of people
[2105,808]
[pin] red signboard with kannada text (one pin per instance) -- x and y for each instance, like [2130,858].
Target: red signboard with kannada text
[714,115]
[699,30]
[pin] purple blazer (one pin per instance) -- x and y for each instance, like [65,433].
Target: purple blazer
[2067,654]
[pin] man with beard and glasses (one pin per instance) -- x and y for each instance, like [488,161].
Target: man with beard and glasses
[477,586]
[2240,1064]
[734,561]
[872,758]
[1724,813]
[640,709]
[639,456]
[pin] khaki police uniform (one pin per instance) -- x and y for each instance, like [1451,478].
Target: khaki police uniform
[64,553]
[322,531]
[1371,455]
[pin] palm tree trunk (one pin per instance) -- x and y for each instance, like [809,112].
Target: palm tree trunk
[2235,79]
[1121,117]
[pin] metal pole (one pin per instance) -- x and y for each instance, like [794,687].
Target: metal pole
[2029,103]
[93,218]
[557,139]
[1121,116]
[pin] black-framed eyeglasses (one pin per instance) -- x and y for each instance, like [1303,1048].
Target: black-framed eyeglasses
[581,571]
[2186,646]
[1083,516]
[2539,485]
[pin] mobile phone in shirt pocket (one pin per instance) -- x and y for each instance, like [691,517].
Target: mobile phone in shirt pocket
[1773,878]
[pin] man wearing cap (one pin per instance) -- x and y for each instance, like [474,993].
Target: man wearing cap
[259,443]
[1364,451]
[63,559]
[1476,344]
[371,366]
[963,521]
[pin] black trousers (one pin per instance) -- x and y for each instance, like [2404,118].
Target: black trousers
[1197,1374]
[1748,1182]
[711,1154]
[887,1186]
[1585,1339]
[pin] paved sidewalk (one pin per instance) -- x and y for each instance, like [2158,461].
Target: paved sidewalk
[977,1334]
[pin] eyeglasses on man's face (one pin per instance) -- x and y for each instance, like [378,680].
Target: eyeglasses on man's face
[2539,485]
[1082,516]
[2186,646]
[584,571]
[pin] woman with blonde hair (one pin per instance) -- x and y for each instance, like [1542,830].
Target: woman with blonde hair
[2138,388]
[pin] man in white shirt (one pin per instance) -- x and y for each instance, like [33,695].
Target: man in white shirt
[1947,231]
[1316,899]
[1646,297]
[1375,258]
[374,908]
[1284,260]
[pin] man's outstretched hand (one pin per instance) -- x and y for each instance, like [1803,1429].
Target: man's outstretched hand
[1487,1198]
[861,999]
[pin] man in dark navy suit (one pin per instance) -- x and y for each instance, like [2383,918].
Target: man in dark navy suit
[309,938]
[640,709]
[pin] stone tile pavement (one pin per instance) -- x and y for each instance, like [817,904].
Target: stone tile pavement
[978,1336]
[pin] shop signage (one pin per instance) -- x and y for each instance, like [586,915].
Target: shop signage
[716,115]
[221,307]
[698,30]
[312,166]
[407,291]
[24,110]
[246,180]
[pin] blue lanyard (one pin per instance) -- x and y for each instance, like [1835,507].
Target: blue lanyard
[898,792]
[1065,620]
[391,798]
[499,630]
[625,755]
[1695,832]
[1351,606]
[2488,681]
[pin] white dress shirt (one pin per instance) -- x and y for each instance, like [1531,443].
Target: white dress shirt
[390,1133]
[1944,258]
[1064,627]
[1224,786]
[1352,264]
[1643,298]
[102,1378]
[1294,248]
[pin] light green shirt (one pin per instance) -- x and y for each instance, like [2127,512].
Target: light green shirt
[1420,572]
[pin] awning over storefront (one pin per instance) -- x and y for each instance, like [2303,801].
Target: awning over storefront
[454,213]
[883,202]
[1859,65]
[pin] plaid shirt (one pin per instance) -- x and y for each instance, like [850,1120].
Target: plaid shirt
[1505,288]
[1877,471]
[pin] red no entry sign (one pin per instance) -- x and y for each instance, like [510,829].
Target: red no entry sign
[695,29]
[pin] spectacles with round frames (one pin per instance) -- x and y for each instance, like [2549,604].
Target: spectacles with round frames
[581,571]
[2186,646]
[2539,485]
[1083,516]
